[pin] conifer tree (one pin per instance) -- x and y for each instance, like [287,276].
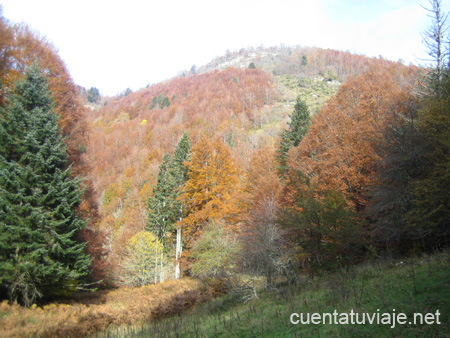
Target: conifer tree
[291,137]
[164,208]
[39,253]
[179,172]
[159,203]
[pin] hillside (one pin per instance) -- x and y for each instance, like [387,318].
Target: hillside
[263,167]
[246,108]
[266,182]
[414,287]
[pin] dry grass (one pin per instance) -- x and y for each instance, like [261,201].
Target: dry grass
[94,312]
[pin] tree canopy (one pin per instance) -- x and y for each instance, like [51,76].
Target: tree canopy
[40,254]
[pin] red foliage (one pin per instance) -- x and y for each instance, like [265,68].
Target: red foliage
[125,152]
[341,149]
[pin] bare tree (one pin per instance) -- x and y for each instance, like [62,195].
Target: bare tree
[433,38]
[264,245]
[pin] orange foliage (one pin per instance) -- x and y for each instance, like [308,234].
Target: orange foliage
[95,312]
[213,103]
[20,48]
[26,48]
[341,149]
[213,190]
[263,183]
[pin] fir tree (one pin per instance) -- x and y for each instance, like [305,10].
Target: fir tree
[291,137]
[159,204]
[164,208]
[39,254]
[179,171]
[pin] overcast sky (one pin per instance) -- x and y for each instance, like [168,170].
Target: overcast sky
[113,45]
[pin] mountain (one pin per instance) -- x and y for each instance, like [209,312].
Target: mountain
[246,108]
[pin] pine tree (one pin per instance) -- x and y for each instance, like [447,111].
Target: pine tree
[164,208]
[291,137]
[39,253]
[179,172]
[93,95]
[160,203]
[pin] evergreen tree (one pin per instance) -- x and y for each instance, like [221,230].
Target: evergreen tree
[430,200]
[159,203]
[304,60]
[39,254]
[179,171]
[93,95]
[291,137]
[165,210]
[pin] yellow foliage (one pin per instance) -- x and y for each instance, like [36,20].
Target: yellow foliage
[213,190]
[145,242]
[145,192]
[143,259]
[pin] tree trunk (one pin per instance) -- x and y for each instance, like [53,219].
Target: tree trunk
[178,251]
[161,273]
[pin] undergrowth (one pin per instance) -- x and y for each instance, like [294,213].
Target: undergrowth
[90,313]
[416,285]
[185,308]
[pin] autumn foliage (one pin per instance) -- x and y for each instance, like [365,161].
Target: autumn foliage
[341,149]
[241,130]
[20,48]
[126,153]
[213,190]
[95,312]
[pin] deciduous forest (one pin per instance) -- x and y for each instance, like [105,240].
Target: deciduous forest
[259,171]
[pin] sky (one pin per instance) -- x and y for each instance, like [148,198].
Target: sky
[113,45]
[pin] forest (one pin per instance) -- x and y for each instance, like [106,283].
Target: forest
[258,170]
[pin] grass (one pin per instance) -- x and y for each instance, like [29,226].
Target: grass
[185,308]
[315,91]
[87,314]
[417,285]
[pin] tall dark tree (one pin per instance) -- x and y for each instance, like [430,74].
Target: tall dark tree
[179,170]
[93,95]
[159,217]
[404,158]
[39,252]
[164,209]
[430,211]
[291,137]
[410,204]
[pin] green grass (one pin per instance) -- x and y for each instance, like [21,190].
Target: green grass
[419,285]
[315,91]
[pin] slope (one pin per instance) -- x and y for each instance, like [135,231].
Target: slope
[246,108]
